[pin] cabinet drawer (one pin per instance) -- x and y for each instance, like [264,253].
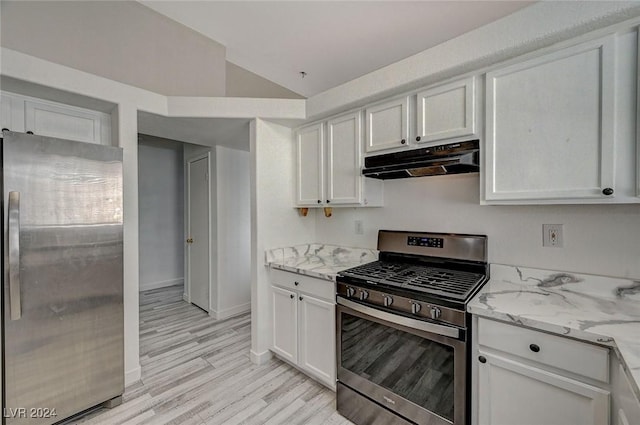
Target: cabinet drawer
[576,357]
[310,285]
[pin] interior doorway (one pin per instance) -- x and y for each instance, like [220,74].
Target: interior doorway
[198,254]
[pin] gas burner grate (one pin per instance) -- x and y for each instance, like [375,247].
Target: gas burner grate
[447,283]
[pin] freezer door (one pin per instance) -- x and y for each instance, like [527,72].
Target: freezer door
[62,278]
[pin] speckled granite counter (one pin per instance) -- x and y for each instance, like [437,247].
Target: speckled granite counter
[318,260]
[591,308]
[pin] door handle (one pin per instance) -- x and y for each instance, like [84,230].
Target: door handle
[14,255]
[190,240]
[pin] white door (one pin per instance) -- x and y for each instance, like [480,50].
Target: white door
[344,141]
[310,165]
[550,126]
[512,393]
[285,323]
[387,125]
[198,257]
[318,338]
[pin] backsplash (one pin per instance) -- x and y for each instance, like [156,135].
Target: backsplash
[598,239]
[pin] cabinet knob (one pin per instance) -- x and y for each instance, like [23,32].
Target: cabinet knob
[482,359]
[607,191]
[417,138]
[328,201]
[319,201]
[403,141]
[300,298]
[29,132]
[296,283]
[291,296]
[534,347]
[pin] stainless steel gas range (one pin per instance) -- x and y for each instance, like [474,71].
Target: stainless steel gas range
[402,330]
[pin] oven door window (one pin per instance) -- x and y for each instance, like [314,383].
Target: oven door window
[415,368]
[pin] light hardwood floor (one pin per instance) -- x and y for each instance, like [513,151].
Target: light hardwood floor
[196,370]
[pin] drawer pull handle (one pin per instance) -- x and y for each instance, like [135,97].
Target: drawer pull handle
[296,283]
[482,359]
[534,347]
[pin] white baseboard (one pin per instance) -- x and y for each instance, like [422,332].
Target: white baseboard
[161,284]
[232,311]
[132,376]
[260,358]
[186,297]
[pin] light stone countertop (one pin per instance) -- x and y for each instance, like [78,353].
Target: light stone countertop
[591,308]
[318,260]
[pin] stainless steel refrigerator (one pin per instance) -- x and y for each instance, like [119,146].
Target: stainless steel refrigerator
[62,299]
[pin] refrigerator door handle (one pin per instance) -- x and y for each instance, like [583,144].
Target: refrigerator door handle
[14,255]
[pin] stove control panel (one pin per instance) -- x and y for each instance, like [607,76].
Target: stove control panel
[411,307]
[425,241]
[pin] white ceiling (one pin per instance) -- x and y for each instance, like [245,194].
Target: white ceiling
[229,132]
[332,41]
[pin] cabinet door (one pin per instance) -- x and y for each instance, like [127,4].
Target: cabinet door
[12,112]
[446,111]
[550,126]
[387,125]
[344,141]
[318,338]
[67,122]
[510,392]
[285,323]
[310,165]
[625,406]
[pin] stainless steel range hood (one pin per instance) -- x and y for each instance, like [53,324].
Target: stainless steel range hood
[452,158]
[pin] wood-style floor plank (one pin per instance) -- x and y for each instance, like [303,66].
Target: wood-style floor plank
[197,371]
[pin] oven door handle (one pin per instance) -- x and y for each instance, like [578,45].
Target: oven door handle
[401,320]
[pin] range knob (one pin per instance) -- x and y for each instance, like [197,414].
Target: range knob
[435,313]
[387,300]
[363,295]
[415,307]
[350,292]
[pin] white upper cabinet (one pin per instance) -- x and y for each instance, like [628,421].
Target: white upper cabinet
[387,125]
[551,127]
[344,141]
[447,111]
[329,170]
[310,165]
[45,118]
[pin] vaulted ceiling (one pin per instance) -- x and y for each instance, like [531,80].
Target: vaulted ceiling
[331,41]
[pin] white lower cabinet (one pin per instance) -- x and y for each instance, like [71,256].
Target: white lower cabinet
[511,392]
[304,324]
[526,377]
[625,404]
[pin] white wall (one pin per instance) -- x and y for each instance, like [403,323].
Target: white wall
[121,40]
[234,232]
[161,211]
[274,221]
[598,239]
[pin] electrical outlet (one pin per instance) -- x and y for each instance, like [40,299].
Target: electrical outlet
[552,235]
[359,227]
